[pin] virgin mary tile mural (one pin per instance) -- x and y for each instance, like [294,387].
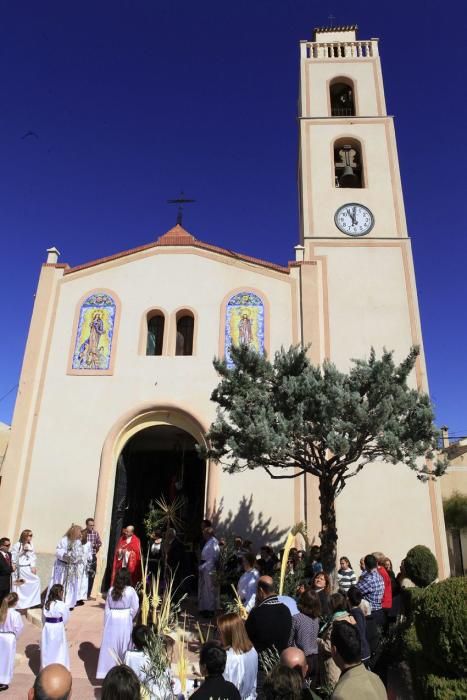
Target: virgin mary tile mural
[244,323]
[94,335]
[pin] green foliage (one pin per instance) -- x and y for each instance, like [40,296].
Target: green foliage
[289,418]
[439,688]
[434,645]
[290,414]
[421,566]
[441,623]
[292,579]
[455,511]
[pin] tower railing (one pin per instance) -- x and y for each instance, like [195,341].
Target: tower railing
[332,50]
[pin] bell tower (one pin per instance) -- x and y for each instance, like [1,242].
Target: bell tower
[354,262]
[348,152]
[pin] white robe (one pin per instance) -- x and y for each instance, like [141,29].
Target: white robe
[66,569]
[29,592]
[167,690]
[54,646]
[242,671]
[9,631]
[118,625]
[85,561]
[207,585]
[246,588]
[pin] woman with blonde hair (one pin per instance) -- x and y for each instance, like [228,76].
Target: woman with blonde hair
[11,626]
[68,555]
[241,668]
[26,583]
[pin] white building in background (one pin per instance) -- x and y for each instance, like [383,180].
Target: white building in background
[117,374]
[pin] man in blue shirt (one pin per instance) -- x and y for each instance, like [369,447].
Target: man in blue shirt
[371,586]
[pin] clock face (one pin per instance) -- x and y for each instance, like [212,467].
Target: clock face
[354,219]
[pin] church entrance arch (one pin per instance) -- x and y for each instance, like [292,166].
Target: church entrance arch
[148,455]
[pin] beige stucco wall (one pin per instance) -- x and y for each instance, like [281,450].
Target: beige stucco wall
[365,75]
[385,508]
[4,439]
[382,192]
[455,479]
[76,413]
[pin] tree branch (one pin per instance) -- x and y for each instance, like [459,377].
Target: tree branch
[285,476]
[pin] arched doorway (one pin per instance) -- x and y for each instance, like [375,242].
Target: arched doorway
[157,461]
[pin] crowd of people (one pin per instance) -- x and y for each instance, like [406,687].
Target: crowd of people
[323,634]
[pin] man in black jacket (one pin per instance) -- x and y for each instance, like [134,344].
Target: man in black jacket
[268,625]
[6,567]
[212,660]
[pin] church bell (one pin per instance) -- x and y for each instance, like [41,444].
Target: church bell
[349,178]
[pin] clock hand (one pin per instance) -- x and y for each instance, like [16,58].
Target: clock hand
[351,216]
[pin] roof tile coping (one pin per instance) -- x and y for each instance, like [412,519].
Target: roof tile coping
[178,236]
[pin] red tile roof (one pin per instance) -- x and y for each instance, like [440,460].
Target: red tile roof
[178,236]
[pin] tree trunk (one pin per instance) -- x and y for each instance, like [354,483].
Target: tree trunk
[328,534]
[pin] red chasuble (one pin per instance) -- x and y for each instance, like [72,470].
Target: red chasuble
[128,555]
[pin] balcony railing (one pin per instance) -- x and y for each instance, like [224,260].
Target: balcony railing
[339,49]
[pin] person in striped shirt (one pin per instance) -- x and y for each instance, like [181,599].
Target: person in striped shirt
[346,575]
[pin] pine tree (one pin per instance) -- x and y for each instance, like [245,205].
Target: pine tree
[291,418]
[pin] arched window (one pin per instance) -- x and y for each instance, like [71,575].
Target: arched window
[155,336]
[185,330]
[342,98]
[95,334]
[348,168]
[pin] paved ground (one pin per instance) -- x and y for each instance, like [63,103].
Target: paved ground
[84,632]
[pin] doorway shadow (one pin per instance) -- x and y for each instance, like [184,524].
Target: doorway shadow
[33,655]
[247,525]
[89,655]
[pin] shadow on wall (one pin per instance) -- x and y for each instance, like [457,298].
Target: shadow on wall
[245,524]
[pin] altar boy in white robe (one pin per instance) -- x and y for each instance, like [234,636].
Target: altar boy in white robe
[208,590]
[83,568]
[11,626]
[54,645]
[68,555]
[25,581]
[121,607]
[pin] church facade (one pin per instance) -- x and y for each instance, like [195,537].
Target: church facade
[117,372]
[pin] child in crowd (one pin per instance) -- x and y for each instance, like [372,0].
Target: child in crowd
[346,575]
[54,646]
[11,626]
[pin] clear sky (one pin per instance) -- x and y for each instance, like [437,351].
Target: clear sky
[130,101]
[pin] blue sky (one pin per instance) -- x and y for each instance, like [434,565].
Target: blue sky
[132,101]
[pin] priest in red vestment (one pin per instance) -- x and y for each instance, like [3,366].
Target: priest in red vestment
[128,555]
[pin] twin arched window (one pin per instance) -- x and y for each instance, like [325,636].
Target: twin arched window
[155,327]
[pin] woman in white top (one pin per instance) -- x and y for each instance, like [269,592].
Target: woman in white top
[11,626]
[25,581]
[54,646]
[121,607]
[68,555]
[241,668]
[248,581]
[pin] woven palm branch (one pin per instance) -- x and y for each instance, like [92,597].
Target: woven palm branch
[285,559]
[171,511]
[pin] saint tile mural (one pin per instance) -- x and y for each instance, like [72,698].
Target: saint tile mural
[244,323]
[94,334]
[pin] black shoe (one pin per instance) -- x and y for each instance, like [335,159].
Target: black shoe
[3,687]
[80,602]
